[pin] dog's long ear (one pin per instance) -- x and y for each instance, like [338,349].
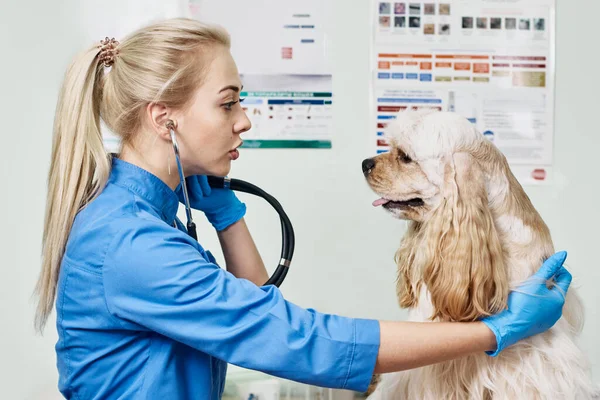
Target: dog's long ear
[407,284]
[463,266]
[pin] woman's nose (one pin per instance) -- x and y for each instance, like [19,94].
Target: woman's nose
[243,125]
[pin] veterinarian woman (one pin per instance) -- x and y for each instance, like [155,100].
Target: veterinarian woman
[143,311]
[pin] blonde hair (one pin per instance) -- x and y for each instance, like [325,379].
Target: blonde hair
[160,63]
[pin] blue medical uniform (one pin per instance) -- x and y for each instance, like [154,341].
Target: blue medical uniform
[144,312]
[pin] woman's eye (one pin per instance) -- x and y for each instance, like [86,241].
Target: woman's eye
[229,105]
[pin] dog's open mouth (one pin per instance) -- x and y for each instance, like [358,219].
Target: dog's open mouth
[388,204]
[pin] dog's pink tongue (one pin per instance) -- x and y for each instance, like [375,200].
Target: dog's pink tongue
[380,202]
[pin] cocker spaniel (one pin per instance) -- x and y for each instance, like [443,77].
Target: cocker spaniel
[473,235]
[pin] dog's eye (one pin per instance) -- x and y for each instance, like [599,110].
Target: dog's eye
[404,157]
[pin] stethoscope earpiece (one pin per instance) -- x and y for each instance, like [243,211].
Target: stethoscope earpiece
[171,125]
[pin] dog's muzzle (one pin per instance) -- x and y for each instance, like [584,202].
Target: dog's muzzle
[367,166]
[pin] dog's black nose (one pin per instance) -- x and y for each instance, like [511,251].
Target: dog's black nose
[367,165]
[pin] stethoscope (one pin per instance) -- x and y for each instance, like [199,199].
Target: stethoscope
[287,231]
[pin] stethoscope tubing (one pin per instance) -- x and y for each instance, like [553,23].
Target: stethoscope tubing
[287,231]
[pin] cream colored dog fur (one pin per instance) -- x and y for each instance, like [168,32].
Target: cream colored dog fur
[473,235]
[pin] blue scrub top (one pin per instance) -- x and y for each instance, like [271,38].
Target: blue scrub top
[144,312]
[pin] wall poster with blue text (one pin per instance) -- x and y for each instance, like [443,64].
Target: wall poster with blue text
[491,61]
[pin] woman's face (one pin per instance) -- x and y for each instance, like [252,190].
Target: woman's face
[208,131]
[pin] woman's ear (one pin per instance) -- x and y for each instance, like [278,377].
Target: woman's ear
[158,116]
[464,270]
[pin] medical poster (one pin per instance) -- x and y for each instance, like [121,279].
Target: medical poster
[281,49]
[491,61]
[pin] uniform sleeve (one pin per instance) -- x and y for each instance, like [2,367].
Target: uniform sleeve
[155,277]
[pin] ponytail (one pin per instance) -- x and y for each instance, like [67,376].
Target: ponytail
[160,63]
[79,169]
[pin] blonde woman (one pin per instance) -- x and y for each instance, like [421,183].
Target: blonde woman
[143,310]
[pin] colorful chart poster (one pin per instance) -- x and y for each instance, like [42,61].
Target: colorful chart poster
[491,61]
[281,49]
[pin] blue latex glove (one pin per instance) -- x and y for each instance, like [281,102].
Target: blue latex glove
[532,308]
[221,206]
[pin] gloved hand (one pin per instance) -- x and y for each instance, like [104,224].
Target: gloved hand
[221,206]
[532,308]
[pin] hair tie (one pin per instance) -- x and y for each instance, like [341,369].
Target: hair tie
[108,51]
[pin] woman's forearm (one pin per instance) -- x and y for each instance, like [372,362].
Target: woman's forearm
[241,255]
[406,345]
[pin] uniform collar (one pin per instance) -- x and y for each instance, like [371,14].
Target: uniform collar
[146,185]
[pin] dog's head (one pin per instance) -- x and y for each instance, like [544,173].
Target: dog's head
[433,176]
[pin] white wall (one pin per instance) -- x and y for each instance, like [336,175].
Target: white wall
[334,269]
